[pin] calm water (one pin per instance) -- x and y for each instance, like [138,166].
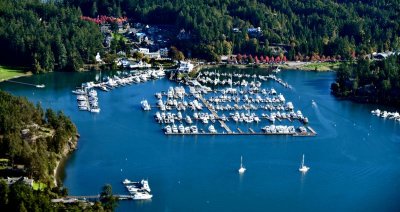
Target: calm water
[354,159]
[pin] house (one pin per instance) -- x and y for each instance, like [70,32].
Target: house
[105,28]
[255,32]
[185,67]
[183,35]
[141,37]
[98,58]
[121,54]
[384,55]
[164,52]
[146,52]
[12,180]
[107,41]
[236,30]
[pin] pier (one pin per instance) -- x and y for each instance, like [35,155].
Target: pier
[96,197]
[223,124]
[312,130]
[245,133]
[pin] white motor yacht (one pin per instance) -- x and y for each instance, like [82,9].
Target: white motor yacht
[168,129]
[95,110]
[194,129]
[145,105]
[188,119]
[142,195]
[212,129]
[174,129]
[79,91]
[181,128]
[81,98]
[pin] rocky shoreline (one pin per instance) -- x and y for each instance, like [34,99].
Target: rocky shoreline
[68,149]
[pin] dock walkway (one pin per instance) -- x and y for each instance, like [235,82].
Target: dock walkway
[223,124]
[91,197]
[245,133]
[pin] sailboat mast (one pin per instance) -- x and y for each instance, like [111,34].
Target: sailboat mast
[302,162]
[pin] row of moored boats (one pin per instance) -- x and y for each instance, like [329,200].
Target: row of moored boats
[138,190]
[386,114]
[87,95]
[87,100]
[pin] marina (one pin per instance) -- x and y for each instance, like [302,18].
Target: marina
[87,94]
[232,102]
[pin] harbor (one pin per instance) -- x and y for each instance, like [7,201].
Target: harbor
[87,95]
[234,101]
[355,154]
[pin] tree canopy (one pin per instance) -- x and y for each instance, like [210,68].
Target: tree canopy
[33,138]
[46,36]
[325,27]
[372,81]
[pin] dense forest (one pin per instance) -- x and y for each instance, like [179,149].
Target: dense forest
[370,81]
[339,28]
[46,36]
[21,197]
[50,35]
[32,137]
[36,138]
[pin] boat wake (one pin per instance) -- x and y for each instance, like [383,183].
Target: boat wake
[314,104]
[325,122]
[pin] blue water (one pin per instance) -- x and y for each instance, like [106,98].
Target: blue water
[354,159]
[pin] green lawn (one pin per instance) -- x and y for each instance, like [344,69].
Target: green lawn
[322,66]
[11,72]
[118,36]
[37,185]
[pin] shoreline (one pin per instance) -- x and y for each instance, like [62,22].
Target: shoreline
[69,149]
[291,65]
[25,74]
[55,173]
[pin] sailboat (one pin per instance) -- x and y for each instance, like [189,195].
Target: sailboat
[303,168]
[241,169]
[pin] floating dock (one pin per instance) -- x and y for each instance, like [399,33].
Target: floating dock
[245,133]
[96,197]
[223,124]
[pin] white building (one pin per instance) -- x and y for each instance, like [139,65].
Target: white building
[12,180]
[185,67]
[146,52]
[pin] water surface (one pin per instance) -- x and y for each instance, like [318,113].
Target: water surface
[354,159]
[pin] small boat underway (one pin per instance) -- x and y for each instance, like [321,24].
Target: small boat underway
[303,168]
[241,169]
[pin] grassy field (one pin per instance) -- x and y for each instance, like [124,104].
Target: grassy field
[11,72]
[38,185]
[322,66]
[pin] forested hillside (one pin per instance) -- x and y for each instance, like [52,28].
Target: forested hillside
[33,138]
[341,28]
[46,36]
[49,35]
[370,81]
